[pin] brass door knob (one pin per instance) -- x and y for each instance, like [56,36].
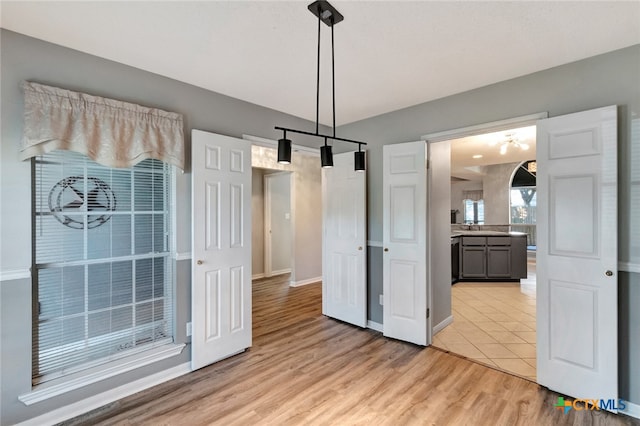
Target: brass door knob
[360,248]
[199,262]
[386,249]
[609,273]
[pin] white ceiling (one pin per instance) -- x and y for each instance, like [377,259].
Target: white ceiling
[389,54]
[463,150]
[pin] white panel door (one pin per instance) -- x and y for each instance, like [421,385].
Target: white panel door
[405,242]
[221,241]
[577,301]
[344,263]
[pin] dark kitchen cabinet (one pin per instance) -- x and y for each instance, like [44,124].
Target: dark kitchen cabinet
[493,257]
[499,262]
[474,263]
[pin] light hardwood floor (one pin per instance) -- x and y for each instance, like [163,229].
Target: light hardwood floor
[305,369]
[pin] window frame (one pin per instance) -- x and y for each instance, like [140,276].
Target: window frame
[103,367]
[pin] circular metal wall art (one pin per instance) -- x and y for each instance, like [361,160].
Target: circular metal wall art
[76,194]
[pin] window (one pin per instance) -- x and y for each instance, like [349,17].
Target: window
[103,279]
[523,205]
[474,211]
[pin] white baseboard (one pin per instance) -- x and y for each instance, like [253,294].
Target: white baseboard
[374,326]
[304,282]
[632,410]
[257,276]
[281,271]
[439,327]
[80,407]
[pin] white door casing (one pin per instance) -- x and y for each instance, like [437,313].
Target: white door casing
[221,247]
[405,242]
[577,302]
[344,274]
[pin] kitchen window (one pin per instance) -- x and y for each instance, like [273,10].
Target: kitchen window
[473,212]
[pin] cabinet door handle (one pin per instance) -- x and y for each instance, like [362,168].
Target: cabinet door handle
[199,262]
[386,249]
[609,273]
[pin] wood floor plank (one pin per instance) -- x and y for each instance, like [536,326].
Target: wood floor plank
[306,369]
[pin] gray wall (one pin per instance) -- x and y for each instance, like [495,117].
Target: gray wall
[25,58]
[609,79]
[496,185]
[257,222]
[279,187]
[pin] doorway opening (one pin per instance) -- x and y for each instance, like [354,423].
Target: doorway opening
[286,213]
[493,294]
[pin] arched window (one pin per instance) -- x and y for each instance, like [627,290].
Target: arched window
[523,201]
[523,194]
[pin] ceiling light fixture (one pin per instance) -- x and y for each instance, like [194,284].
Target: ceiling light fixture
[330,16]
[512,141]
[477,156]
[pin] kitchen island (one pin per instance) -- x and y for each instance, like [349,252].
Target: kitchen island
[489,255]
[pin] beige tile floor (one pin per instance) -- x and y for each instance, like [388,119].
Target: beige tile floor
[495,324]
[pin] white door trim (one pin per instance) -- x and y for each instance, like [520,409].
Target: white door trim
[478,129]
[493,126]
[271,143]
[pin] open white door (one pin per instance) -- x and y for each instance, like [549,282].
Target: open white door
[221,241]
[344,263]
[577,302]
[405,242]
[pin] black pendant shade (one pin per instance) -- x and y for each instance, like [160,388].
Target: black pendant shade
[326,156]
[284,151]
[328,15]
[359,161]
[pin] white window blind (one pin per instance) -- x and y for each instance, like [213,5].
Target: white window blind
[103,278]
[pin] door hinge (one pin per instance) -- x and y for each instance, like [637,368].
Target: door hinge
[428,312]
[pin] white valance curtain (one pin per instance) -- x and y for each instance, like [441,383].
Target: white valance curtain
[110,132]
[475,195]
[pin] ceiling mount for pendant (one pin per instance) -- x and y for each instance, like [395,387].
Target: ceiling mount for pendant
[326,13]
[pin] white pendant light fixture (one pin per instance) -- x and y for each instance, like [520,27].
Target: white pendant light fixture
[330,16]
